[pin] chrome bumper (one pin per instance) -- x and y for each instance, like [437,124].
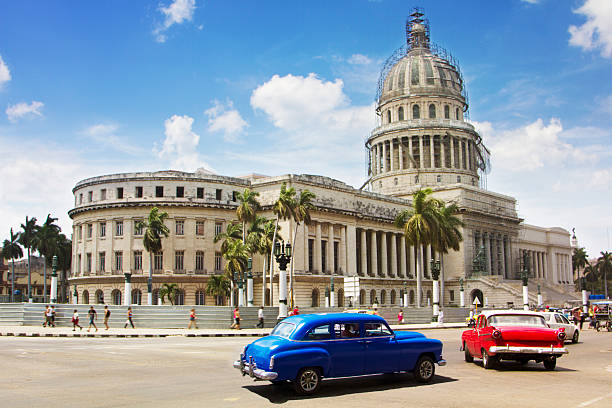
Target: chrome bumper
[251,370]
[528,350]
[442,362]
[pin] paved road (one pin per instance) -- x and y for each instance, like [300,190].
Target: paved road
[190,372]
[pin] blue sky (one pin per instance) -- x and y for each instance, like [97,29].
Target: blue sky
[90,88]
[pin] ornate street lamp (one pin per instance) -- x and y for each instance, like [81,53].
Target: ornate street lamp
[405,294]
[461,293]
[282,253]
[75,296]
[539,296]
[525,278]
[127,298]
[435,275]
[54,279]
[250,282]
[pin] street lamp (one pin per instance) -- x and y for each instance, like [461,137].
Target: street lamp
[75,296]
[435,275]
[525,279]
[461,293]
[250,282]
[282,253]
[127,298]
[54,279]
[405,294]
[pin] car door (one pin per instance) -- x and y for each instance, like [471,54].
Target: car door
[553,320]
[475,343]
[563,322]
[346,350]
[382,353]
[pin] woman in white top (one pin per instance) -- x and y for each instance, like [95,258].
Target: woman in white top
[75,320]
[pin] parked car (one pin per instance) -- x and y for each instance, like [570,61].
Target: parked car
[557,320]
[304,349]
[513,335]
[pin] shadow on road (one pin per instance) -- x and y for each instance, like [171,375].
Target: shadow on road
[515,366]
[279,394]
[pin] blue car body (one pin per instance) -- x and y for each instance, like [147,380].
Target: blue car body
[337,345]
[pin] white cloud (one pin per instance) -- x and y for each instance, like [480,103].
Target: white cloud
[596,32]
[177,12]
[181,143]
[359,59]
[531,1]
[23,109]
[105,134]
[5,73]
[226,119]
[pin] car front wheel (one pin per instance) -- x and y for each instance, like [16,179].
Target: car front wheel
[307,381]
[425,369]
[550,363]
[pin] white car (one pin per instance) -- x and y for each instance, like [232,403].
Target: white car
[557,320]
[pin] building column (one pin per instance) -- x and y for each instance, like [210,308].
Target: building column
[374,253]
[364,254]
[401,154]
[460,155]
[317,249]
[330,248]
[393,255]
[343,248]
[403,256]
[442,152]
[421,164]
[384,266]
[503,255]
[391,158]
[372,160]
[487,246]
[384,157]
[452,151]
[431,152]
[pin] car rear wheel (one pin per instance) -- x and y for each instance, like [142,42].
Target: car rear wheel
[550,363]
[468,357]
[425,369]
[488,361]
[307,381]
[575,337]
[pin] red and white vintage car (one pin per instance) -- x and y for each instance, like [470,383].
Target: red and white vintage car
[513,335]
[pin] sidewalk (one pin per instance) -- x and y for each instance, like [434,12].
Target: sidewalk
[39,331]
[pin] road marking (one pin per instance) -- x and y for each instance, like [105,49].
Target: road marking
[594,400]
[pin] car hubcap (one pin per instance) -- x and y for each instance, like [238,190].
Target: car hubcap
[309,380]
[426,369]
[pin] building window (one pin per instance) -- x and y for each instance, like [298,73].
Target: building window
[79,263]
[85,297]
[119,192]
[446,112]
[416,112]
[102,229]
[80,232]
[118,260]
[218,194]
[200,192]
[138,260]
[458,179]
[89,230]
[395,181]
[200,297]
[200,228]
[373,297]
[138,192]
[323,255]
[180,227]
[383,297]
[158,261]
[159,191]
[411,297]
[102,258]
[218,228]
[400,113]
[119,228]
[179,257]
[310,254]
[179,298]
[199,261]
[452,295]
[137,227]
[457,113]
[103,194]
[217,261]
[432,111]
[314,296]
[388,116]
[438,178]
[116,296]
[336,251]
[89,196]
[99,297]
[136,296]
[180,191]
[416,178]
[81,198]
[88,262]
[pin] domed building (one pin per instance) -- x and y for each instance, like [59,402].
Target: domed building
[422,140]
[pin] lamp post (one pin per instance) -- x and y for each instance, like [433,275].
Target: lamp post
[250,282]
[332,297]
[405,294]
[327,297]
[435,275]
[539,296]
[240,282]
[54,279]
[525,278]
[282,253]
[75,296]
[127,298]
[461,293]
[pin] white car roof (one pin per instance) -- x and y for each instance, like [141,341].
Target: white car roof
[488,313]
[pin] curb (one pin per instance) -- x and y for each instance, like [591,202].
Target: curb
[11,334]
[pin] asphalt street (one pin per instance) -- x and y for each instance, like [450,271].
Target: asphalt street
[190,372]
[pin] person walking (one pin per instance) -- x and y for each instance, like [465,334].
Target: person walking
[192,319]
[75,320]
[236,324]
[260,316]
[53,316]
[45,318]
[107,314]
[400,317]
[582,317]
[441,317]
[93,315]
[129,318]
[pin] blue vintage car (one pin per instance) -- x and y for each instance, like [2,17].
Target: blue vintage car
[305,348]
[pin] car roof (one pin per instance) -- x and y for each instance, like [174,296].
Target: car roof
[316,318]
[488,313]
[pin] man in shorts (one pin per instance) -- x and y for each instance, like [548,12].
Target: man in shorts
[106,316]
[93,315]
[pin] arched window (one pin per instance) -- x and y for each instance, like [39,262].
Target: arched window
[85,297]
[400,113]
[392,296]
[179,298]
[155,296]
[388,116]
[446,112]
[116,296]
[314,298]
[432,111]
[362,297]
[429,298]
[136,297]
[416,112]
[457,113]
[372,296]
[340,297]
[268,296]
[99,297]
[383,297]
[200,297]
[411,297]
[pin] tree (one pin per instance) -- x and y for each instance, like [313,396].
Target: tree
[591,274]
[271,231]
[247,209]
[236,257]
[604,264]
[219,287]
[11,250]
[45,241]
[301,213]
[27,239]
[154,229]
[64,256]
[232,231]
[448,234]
[170,291]
[420,225]
[579,259]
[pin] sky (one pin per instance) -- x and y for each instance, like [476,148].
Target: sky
[277,87]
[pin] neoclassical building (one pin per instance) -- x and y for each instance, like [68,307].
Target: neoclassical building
[422,140]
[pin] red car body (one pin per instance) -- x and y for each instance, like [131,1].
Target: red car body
[513,335]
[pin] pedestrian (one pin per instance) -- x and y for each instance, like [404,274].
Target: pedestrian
[236,323]
[296,311]
[375,312]
[53,315]
[45,318]
[107,313]
[400,317]
[441,316]
[192,319]
[260,316]
[129,318]
[582,317]
[49,317]
[93,315]
[75,320]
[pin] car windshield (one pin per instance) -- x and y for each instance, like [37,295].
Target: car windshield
[517,320]
[283,329]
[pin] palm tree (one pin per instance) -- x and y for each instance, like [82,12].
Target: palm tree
[169,290]
[604,264]
[236,257]
[420,225]
[270,232]
[64,256]
[27,239]
[579,259]
[11,250]
[247,209]
[219,287]
[154,229]
[45,242]
[301,213]
[233,231]
[591,274]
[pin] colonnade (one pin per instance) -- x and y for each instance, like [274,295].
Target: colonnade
[549,265]
[497,253]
